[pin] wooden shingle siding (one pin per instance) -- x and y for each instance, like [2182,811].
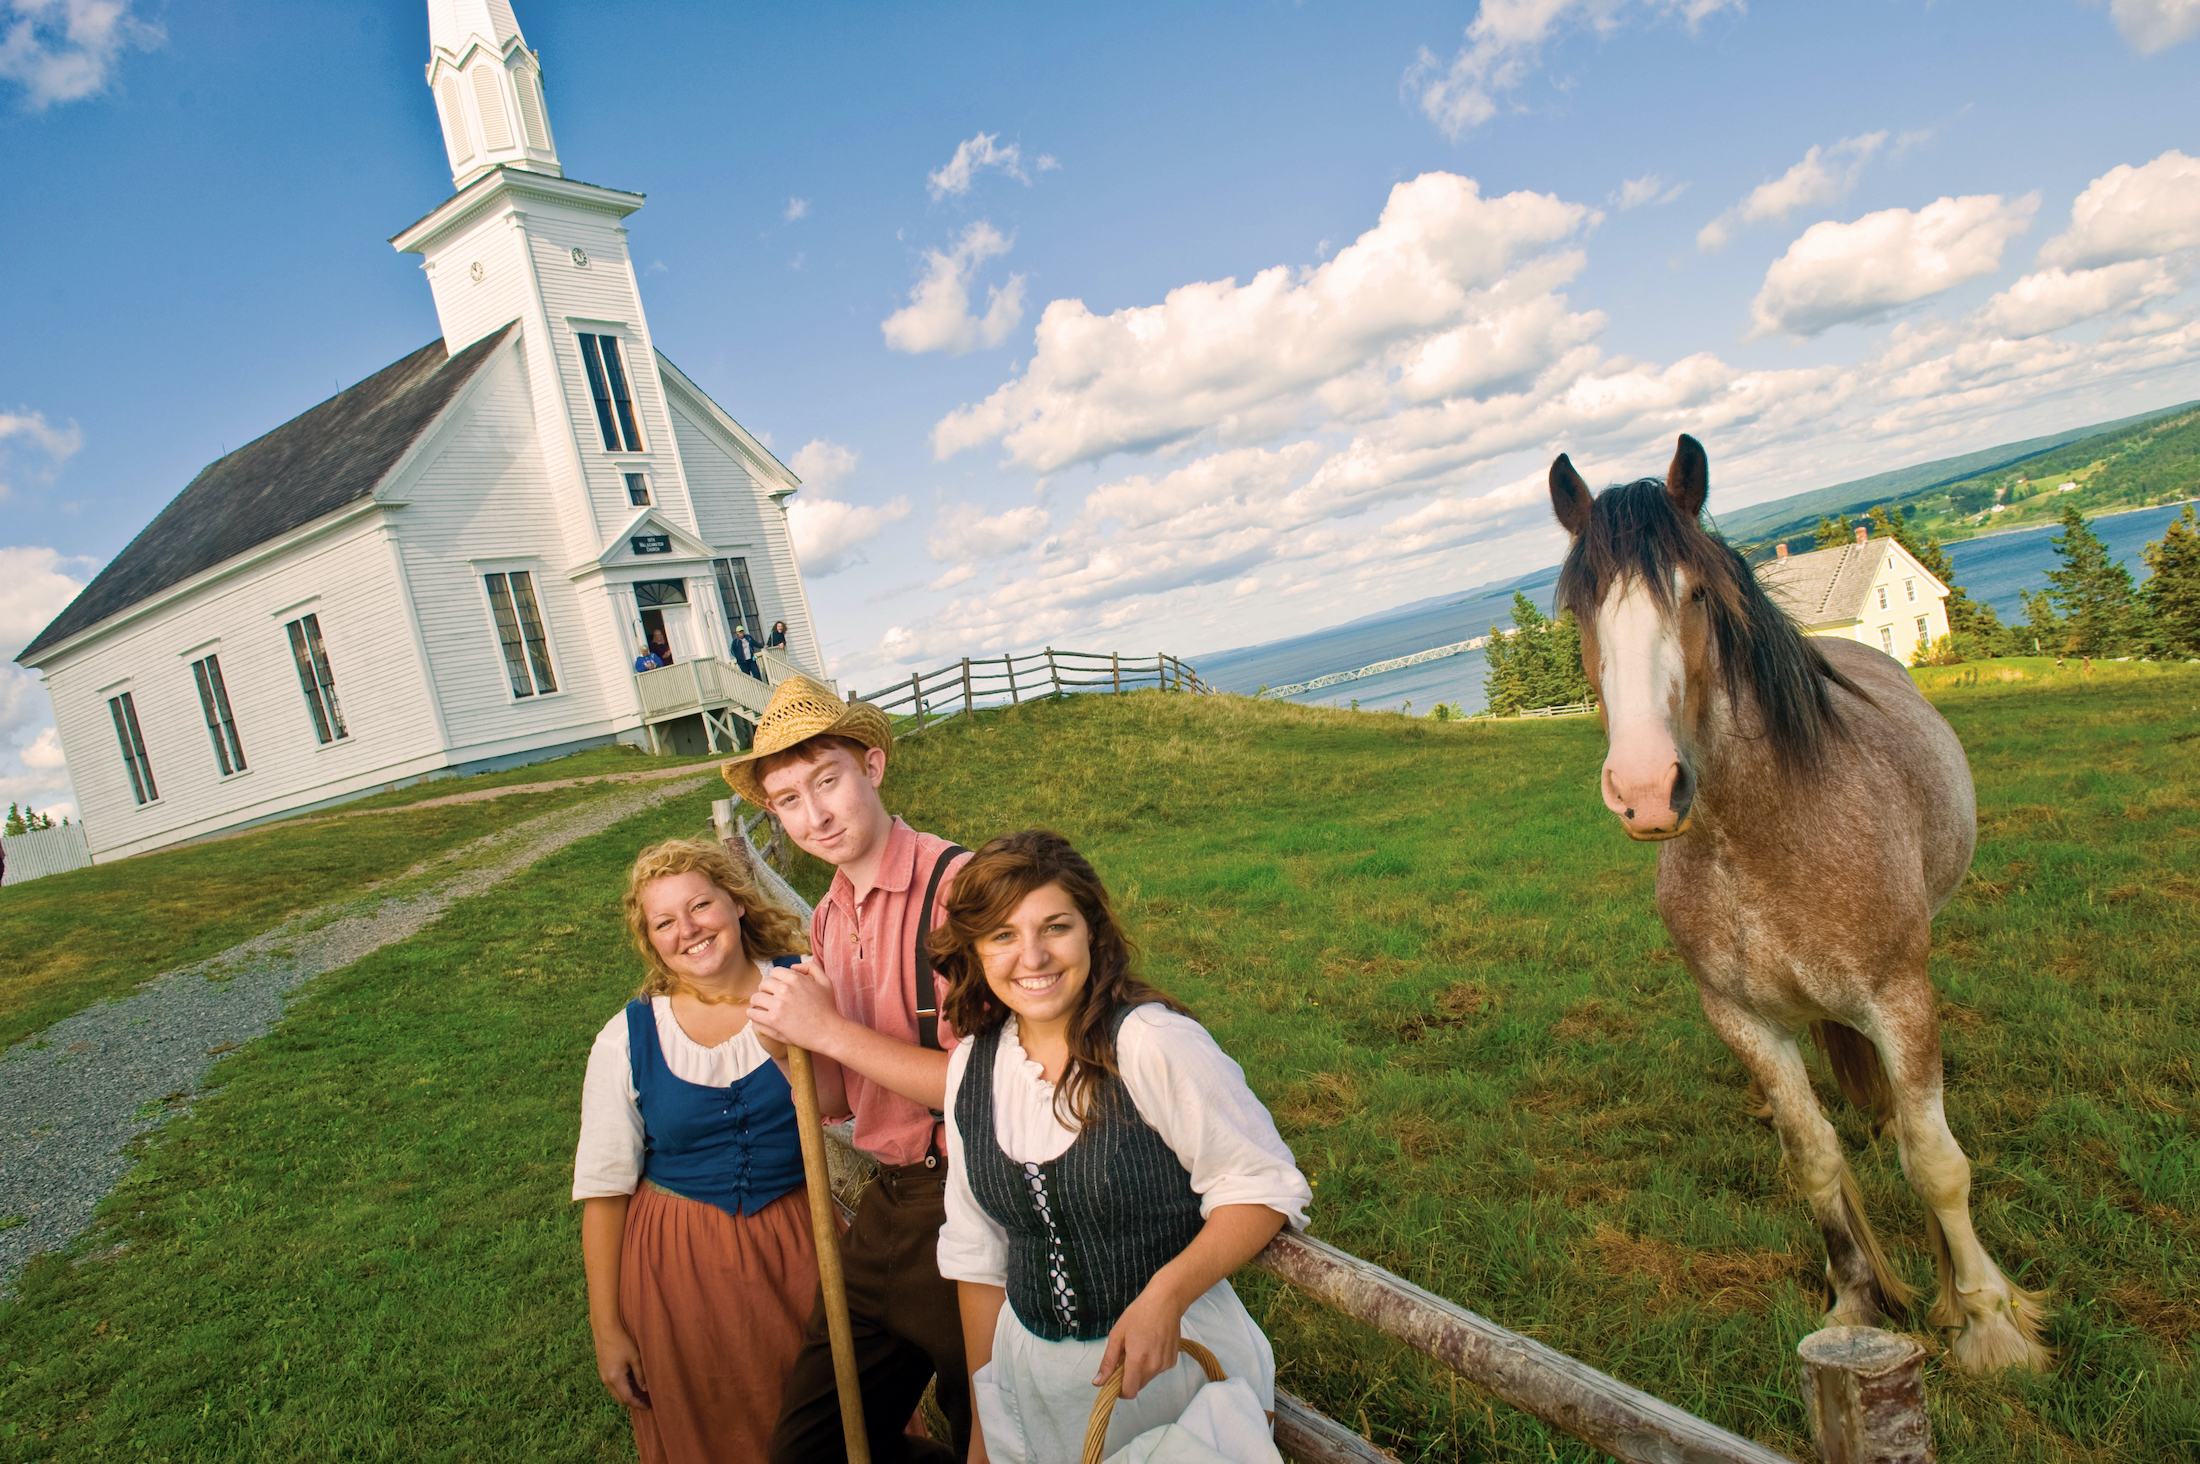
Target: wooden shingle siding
[344,578]
[481,500]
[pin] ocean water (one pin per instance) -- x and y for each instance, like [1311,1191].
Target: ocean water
[1994,570]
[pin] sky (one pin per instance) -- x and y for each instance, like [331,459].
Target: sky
[1132,326]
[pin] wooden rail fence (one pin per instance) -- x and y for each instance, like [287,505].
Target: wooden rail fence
[1862,1386]
[961,687]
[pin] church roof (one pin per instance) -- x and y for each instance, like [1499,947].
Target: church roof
[312,465]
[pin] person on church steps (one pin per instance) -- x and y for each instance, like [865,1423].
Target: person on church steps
[777,641]
[744,652]
[1108,1167]
[864,1004]
[695,1233]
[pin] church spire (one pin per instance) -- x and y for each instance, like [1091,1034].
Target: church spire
[488,90]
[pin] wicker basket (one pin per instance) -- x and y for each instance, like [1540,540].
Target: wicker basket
[1103,1407]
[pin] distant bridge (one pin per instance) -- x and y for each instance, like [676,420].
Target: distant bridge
[1339,678]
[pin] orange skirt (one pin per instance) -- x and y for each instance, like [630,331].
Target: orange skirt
[716,1303]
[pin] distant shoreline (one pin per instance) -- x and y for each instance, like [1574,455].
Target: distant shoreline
[2089,518]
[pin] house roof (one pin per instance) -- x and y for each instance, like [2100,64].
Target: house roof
[314,464]
[1826,586]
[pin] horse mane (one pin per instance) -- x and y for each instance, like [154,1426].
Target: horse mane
[1634,532]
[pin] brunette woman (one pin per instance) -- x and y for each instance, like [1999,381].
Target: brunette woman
[694,1231]
[778,639]
[1108,1167]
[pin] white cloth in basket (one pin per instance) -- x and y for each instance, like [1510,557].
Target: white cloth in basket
[1035,1397]
[1223,1425]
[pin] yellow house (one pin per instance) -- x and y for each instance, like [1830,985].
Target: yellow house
[1872,591]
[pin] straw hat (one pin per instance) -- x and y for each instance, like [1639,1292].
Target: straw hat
[801,709]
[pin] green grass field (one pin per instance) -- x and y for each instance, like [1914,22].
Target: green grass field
[1438,962]
[93,934]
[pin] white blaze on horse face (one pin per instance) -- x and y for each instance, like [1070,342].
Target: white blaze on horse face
[1644,674]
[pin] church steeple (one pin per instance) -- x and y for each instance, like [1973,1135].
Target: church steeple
[488,90]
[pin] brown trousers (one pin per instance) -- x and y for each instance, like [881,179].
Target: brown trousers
[907,1325]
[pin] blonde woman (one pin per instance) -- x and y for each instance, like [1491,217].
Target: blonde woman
[696,1238]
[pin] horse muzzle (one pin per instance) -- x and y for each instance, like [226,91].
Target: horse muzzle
[1652,804]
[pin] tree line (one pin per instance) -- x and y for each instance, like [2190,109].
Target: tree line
[2090,607]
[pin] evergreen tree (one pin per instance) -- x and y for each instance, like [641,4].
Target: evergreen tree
[1833,533]
[2092,595]
[1537,665]
[2172,596]
[15,824]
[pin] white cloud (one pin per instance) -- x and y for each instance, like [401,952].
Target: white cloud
[1825,175]
[66,50]
[35,585]
[1836,273]
[1048,162]
[828,533]
[2132,213]
[1649,188]
[964,533]
[2155,25]
[797,208]
[954,177]
[2051,299]
[1503,43]
[1247,361]
[938,318]
[26,428]
[1354,433]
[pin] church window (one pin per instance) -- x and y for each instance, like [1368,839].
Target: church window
[220,725]
[520,632]
[530,108]
[607,384]
[133,747]
[738,595]
[454,123]
[637,489]
[496,129]
[315,679]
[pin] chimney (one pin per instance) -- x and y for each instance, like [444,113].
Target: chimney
[1779,551]
[1863,532]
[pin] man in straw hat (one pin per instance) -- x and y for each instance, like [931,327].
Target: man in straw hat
[866,1000]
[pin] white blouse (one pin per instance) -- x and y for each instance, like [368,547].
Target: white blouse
[609,1160]
[1182,1083]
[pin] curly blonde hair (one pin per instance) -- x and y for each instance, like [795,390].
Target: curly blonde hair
[767,930]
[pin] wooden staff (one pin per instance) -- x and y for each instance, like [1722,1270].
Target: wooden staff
[830,1280]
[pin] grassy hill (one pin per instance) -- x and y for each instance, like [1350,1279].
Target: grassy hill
[2116,465]
[1438,963]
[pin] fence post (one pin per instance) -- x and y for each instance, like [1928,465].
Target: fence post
[1054,672]
[966,686]
[916,697]
[1865,1390]
[1115,659]
[1161,670]
[1010,663]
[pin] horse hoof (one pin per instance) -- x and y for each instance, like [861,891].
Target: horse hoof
[1996,1342]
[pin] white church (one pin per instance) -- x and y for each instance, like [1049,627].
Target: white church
[454,565]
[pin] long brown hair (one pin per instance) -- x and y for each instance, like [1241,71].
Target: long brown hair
[766,929]
[985,892]
[1634,532]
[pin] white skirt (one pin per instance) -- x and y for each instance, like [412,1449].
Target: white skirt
[1035,1397]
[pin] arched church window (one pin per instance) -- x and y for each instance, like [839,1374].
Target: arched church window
[496,128]
[454,123]
[528,85]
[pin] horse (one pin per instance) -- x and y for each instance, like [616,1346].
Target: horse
[1814,812]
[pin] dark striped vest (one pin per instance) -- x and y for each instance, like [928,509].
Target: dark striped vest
[1086,1231]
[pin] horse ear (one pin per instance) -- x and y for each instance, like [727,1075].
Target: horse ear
[1688,481]
[1569,496]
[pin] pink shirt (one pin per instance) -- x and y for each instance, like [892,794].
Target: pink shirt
[867,950]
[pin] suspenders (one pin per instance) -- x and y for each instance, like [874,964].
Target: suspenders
[928,994]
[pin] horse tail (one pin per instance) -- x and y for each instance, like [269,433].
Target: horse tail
[1857,1068]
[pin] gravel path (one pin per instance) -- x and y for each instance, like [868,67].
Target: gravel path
[74,1097]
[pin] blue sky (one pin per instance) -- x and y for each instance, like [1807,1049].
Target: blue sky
[1231,322]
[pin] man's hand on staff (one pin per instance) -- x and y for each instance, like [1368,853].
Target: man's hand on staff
[794,1004]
